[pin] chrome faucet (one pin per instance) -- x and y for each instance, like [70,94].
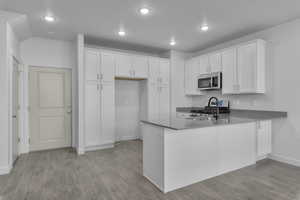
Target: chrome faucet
[213,98]
[215,109]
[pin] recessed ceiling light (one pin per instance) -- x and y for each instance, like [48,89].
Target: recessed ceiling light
[49,18]
[204,27]
[173,42]
[121,33]
[144,11]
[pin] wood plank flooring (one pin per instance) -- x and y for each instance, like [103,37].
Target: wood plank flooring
[116,174]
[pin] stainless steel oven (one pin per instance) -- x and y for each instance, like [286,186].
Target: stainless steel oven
[212,81]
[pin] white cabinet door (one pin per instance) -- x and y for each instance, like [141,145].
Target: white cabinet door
[92,114]
[195,72]
[107,113]
[92,63]
[140,66]
[264,139]
[188,83]
[230,84]
[153,101]
[236,146]
[215,62]
[164,72]
[154,71]
[204,65]
[192,73]
[164,104]
[247,64]
[107,67]
[123,66]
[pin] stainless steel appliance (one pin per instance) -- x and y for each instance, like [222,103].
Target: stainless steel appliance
[212,81]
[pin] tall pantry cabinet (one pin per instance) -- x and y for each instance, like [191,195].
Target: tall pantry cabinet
[159,89]
[99,99]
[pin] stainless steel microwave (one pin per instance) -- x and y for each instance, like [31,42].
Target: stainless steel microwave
[212,81]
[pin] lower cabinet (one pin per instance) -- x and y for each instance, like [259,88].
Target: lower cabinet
[264,139]
[99,115]
[236,146]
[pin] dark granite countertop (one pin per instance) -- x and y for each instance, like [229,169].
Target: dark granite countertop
[236,116]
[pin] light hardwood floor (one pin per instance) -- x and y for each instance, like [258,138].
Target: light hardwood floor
[115,174]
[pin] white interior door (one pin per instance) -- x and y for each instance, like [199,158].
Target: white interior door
[15,111]
[50,108]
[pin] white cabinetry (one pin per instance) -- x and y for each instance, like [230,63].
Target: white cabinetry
[123,65]
[159,89]
[236,146]
[230,81]
[192,71]
[210,63]
[215,62]
[204,64]
[264,139]
[131,66]
[99,99]
[244,68]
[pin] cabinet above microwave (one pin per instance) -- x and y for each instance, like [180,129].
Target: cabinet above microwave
[243,69]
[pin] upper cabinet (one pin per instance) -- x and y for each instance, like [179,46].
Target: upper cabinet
[140,66]
[192,71]
[243,67]
[210,63]
[230,81]
[92,63]
[99,66]
[159,71]
[215,62]
[123,65]
[131,66]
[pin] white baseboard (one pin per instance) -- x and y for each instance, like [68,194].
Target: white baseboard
[5,170]
[284,159]
[80,151]
[261,157]
[99,147]
[128,137]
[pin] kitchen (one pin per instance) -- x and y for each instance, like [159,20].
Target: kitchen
[194,116]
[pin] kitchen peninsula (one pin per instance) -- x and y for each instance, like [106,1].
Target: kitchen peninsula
[186,150]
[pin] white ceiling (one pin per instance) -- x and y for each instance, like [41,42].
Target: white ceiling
[101,19]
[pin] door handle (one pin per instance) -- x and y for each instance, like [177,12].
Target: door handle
[14,116]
